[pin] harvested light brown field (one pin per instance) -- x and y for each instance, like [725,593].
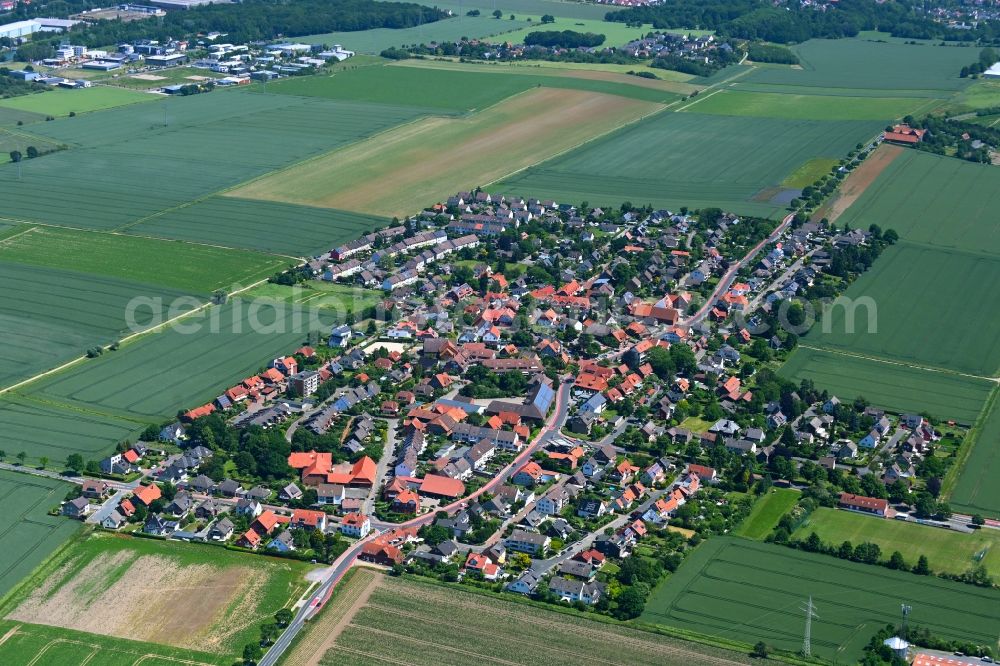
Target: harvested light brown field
[425,161]
[418,623]
[858,181]
[152,599]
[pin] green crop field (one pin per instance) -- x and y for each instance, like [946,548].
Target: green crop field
[186,364]
[63,102]
[29,534]
[946,551]
[338,298]
[749,591]
[424,624]
[39,645]
[49,315]
[42,429]
[977,490]
[616,34]
[133,589]
[450,87]
[185,267]
[10,117]
[809,172]
[767,512]
[892,386]
[856,64]
[138,161]
[960,336]
[269,226]
[735,163]
[448,30]
[935,200]
[807,107]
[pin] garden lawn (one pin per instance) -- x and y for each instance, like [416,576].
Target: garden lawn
[131,588]
[187,267]
[109,181]
[61,102]
[977,490]
[49,315]
[422,623]
[692,159]
[268,226]
[932,307]
[748,591]
[939,201]
[846,65]
[767,512]
[892,386]
[946,551]
[44,429]
[429,160]
[39,645]
[29,534]
[807,107]
[186,364]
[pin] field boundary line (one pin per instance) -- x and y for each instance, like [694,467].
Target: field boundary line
[6,240]
[10,633]
[700,99]
[970,442]
[914,366]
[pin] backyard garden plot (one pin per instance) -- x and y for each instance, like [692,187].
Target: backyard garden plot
[856,64]
[186,364]
[61,102]
[110,181]
[935,308]
[892,386]
[164,592]
[49,315]
[47,430]
[808,107]
[748,591]
[260,225]
[946,551]
[398,171]
[197,269]
[26,644]
[767,512]
[419,623]
[29,534]
[940,201]
[692,159]
[977,490]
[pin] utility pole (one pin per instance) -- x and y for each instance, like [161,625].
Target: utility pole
[810,612]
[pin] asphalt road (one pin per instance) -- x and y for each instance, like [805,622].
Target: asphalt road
[337,570]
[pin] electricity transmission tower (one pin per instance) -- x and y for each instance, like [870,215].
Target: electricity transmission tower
[906,613]
[810,611]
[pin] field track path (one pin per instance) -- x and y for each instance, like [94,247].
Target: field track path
[915,366]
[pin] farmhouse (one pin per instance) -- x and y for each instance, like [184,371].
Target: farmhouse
[904,134]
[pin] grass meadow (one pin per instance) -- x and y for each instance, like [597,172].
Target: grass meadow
[935,308]
[691,159]
[733,102]
[126,587]
[268,226]
[186,267]
[29,534]
[946,551]
[433,158]
[49,315]
[61,102]
[749,591]
[376,40]
[767,512]
[422,623]
[892,386]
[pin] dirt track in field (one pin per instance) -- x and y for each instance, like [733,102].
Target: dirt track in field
[858,181]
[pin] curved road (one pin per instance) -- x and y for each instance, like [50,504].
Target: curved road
[337,570]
